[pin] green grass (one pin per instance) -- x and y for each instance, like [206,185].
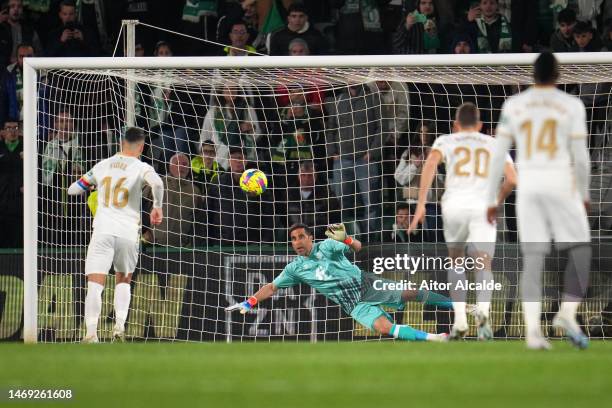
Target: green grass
[373,374]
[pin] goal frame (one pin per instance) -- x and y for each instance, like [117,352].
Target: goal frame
[30,75]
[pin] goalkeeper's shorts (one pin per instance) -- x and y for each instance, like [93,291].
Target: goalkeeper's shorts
[368,311]
[105,250]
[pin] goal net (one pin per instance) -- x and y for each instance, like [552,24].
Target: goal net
[340,140]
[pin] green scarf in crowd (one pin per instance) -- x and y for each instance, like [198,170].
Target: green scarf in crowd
[505,36]
[369,13]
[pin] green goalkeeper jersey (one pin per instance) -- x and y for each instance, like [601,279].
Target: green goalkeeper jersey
[328,271]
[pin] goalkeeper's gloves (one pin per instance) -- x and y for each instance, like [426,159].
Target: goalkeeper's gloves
[243,306]
[338,232]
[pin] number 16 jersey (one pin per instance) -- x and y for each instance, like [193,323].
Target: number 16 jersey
[119,180]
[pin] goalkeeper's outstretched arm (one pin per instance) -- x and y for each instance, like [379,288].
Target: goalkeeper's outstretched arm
[262,294]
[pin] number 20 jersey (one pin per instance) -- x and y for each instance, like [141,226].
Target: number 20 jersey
[467,156]
[119,180]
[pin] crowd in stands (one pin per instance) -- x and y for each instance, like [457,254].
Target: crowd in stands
[350,155]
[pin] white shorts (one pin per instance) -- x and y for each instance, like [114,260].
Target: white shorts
[545,216]
[468,225]
[105,250]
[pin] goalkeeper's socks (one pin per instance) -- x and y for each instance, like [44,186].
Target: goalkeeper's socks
[93,307]
[404,332]
[122,304]
[435,299]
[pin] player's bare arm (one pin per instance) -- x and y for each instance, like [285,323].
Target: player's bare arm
[497,170]
[157,188]
[508,185]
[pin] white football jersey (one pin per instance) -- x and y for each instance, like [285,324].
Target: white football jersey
[119,180]
[542,123]
[467,156]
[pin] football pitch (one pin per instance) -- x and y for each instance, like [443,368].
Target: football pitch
[369,374]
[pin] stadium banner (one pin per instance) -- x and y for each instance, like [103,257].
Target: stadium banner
[181,294]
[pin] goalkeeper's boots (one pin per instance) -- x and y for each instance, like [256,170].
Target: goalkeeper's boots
[118,336]
[458,331]
[571,329]
[484,326]
[93,338]
[537,342]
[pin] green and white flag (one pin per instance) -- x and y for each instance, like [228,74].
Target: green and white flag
[195,9]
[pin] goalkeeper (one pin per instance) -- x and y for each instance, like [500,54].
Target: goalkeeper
[324,266]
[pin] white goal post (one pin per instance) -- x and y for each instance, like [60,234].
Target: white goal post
[492,69]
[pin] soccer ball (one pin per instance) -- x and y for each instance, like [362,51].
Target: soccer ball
[253,181]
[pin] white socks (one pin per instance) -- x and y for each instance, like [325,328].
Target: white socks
[532,312]
[93,307]
[569,310]
[460,314]
[122,304]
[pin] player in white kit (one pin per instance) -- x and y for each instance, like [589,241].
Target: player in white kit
[116,227]
[467,156]
[549,130]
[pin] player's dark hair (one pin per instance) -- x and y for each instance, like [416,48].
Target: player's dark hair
[307,165]
[546,69]
[583,27]
[235,149]
[208,142]
[67,3]
[134,135]
[297,7]
[467,115]
[402,206]
[299,225]
[567,16]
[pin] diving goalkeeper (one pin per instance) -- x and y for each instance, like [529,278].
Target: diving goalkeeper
[324,266]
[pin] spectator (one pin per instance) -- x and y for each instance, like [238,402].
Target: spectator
[589,11]
[562,39]
[298,47]
[181,199]
[418,33]
[490,30]
[11,187]
[230,121]
[62,156]
[62,221]
[206,173]
[159,110]
[312,203]
[239,37]
[359,27]
[297,27]
[70,39]
[408,172]
[584,38]
[394,115]
[162,49]
[403,217]
[16,31]
[244,219]
[356,150]
[204,167]
[244,12]
[462,43]
[11,87]
[299,138]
